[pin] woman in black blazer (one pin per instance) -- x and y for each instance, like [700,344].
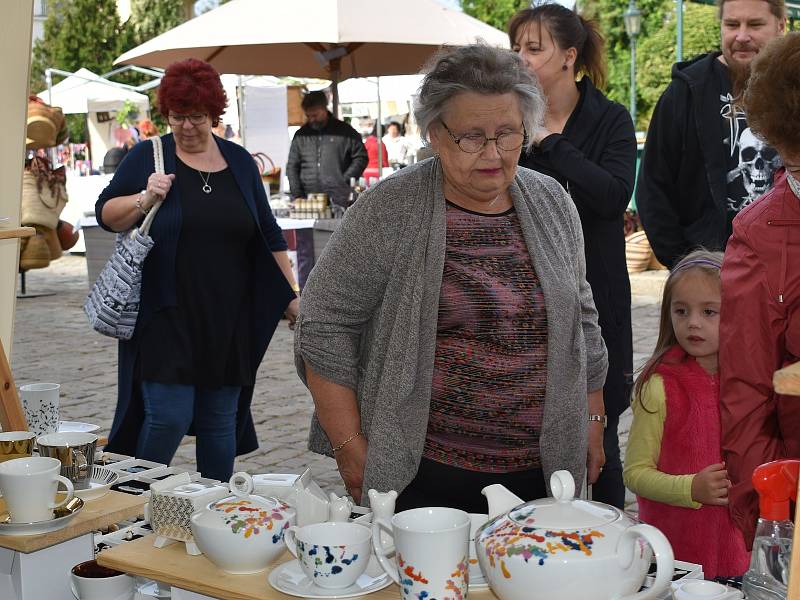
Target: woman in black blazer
[588,144]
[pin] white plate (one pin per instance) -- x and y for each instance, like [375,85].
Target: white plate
[101,481]
[77,426]
[290,579]
[62,518]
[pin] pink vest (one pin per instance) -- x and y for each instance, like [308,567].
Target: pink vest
[691,442]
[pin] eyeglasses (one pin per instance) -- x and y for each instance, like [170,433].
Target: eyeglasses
[473,143]
[195,119]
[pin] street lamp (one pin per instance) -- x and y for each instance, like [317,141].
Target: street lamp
[633,24]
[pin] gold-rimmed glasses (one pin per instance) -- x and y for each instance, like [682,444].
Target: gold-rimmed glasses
[473,143]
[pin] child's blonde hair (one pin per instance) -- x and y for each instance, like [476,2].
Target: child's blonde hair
[701,260]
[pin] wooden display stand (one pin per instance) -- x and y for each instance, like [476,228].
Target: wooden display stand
[11,416]
[787,381]
[198,575]
[34,567]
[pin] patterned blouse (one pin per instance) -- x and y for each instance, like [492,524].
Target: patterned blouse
[490,369]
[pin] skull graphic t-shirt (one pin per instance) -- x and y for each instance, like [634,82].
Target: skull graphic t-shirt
[751,162]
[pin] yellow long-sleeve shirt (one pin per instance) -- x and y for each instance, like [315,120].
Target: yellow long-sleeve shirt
[641,472]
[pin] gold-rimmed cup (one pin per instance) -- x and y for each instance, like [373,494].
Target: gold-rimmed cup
[16,444]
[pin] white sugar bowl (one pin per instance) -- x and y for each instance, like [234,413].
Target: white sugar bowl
[243,533]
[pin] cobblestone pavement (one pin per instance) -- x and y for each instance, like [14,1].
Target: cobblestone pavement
[52,342]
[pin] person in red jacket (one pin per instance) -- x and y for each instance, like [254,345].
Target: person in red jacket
[760,315]
[371,144]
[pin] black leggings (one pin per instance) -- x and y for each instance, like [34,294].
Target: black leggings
[437,484]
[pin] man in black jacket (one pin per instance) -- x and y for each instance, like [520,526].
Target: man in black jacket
[701,162]
[325,153]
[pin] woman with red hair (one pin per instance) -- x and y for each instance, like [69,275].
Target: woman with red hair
[214,286]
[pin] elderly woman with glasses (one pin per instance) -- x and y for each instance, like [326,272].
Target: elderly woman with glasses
[448,334]
[214,286]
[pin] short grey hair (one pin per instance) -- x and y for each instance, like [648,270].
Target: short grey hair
[481,69]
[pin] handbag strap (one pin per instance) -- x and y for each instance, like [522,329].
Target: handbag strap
[158,160]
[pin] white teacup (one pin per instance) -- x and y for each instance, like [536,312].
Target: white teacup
[90,581]
[40,404]
[431,551]
[332,555]
[29,487]
[699,589]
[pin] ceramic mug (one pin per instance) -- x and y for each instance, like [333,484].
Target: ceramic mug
[29,487]
[90,581]
[40,404]
[75,451]
[699,589]
[332,555]
[431,552]
[16,444]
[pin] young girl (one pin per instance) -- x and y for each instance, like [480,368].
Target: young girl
[674,456]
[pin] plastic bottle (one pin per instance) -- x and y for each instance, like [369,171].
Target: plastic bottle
[768,575]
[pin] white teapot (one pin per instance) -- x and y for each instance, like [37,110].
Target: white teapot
[242,533]
[561,548]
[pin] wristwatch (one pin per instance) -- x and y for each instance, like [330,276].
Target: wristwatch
[600,418]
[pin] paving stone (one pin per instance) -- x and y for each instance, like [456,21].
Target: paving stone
[53,342]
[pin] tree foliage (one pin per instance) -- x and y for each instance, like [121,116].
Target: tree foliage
[89,34]
[496,13]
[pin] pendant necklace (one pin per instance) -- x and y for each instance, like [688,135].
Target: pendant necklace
[206,187]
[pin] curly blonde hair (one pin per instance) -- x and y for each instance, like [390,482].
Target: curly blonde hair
[772,96]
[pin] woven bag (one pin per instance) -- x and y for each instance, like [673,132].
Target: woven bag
[113,304]
[41,207]
[637,252]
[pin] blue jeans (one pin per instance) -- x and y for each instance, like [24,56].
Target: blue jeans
[169,410]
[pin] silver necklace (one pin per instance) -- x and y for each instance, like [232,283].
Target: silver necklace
[206,187]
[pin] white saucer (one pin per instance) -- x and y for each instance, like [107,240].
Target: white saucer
[101,481]
[290,579]
[62,517]
[77,426]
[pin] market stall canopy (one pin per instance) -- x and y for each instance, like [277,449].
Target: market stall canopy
[399,88]
[85,92]
[329,39]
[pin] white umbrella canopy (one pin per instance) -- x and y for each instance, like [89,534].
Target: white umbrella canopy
[328,39]
[85,92]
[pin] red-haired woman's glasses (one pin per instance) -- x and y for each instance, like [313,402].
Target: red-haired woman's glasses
[195,119]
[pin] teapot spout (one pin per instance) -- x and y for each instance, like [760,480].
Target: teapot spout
[500,499]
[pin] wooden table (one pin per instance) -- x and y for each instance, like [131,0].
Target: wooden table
[198,574]
[96,514]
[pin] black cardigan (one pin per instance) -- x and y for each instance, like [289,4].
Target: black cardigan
[595,160]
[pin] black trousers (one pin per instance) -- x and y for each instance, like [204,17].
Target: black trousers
[437,484]
[609,487]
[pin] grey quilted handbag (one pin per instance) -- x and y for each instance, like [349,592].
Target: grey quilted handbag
[113,303]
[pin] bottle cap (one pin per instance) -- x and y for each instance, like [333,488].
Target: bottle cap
[776,484]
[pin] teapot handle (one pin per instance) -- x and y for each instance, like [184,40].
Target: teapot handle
[665,560]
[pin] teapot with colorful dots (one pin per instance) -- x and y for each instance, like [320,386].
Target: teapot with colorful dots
[563,548]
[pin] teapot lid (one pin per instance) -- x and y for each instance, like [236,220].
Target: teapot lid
[563,511]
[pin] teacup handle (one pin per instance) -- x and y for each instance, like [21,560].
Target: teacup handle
[665,560]
[290,537]
[387,564]
[241,484]
[70,492]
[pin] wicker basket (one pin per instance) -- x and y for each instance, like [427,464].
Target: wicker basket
[638,253]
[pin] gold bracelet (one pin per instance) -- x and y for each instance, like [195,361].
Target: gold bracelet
[347,441]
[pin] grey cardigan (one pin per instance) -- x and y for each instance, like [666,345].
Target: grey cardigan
[369,310]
